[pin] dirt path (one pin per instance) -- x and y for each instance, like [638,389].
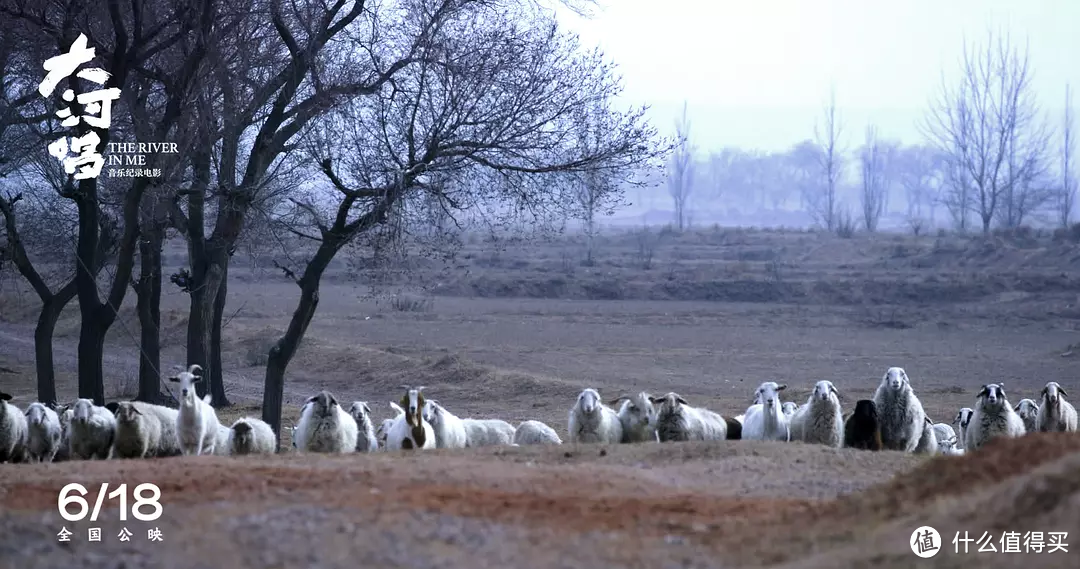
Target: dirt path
[673,505]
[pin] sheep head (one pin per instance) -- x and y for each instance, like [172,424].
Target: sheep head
[790,408]
[992,396]
[429,410]
[589,401]
[824,390]
[895,378]
[1026,408]
[1051,392]
[360,411]
[669,402]
[413,402]
[35,413]
[187,380]
[126,412]
[963,417]
[768,394]
[241,428]
[639,408]
[84,409]
[323,404]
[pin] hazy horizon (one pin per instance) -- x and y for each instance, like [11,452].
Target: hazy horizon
[757,75]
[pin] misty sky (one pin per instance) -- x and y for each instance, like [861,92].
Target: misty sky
[755,73]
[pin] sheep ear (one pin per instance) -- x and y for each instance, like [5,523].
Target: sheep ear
[365,407]
[655,399]
[404,401]
[984,391]
[5,396]
[1062,391]
[333,400]
[174,379]
[1017,408]
[195,369]
[781,387]
[681,400]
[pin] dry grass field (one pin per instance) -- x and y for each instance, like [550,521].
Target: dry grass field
[515,331]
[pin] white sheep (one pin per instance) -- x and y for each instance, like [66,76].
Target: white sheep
[765,419]
[449,429]
[789,408]
[43,432]
[384,427]
[993,417]
[928,443]
[325,427]
[1028,410]
[590,421]
[221,439]
[365,437]
[900,413]
[962,420]
[13,431]
[820,420]
[946,439]
[66,413]
[638,417]
[676,420]
[1055,413]
[535,433]
[249,435]
[196,421]
[92,431]
[487,432]
[144,430]
[409,430]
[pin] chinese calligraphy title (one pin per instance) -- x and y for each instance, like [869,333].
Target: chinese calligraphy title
[97,106]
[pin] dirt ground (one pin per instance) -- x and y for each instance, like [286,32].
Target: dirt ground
[515,332]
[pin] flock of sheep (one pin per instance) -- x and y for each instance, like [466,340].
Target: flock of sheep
[893,419]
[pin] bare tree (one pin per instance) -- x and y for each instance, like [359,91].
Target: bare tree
[872,161]
[823,203]
[920,171]
[681,170]
[45,228]
[488,102]
[988,126]
[1067,195]
[127,37]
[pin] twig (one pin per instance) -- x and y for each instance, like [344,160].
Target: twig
[288,272]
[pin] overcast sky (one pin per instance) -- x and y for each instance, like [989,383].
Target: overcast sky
[755,73]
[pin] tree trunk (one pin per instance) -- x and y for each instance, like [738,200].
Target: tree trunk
[91,357]
[217,380]
[282,352]
[203,295]
[43,347]
[149,309]
[91,334]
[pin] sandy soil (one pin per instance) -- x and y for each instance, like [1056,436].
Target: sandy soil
[680,505]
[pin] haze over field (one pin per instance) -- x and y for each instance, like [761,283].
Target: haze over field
[756,75]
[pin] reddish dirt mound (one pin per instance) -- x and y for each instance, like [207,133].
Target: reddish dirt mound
[999,460]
